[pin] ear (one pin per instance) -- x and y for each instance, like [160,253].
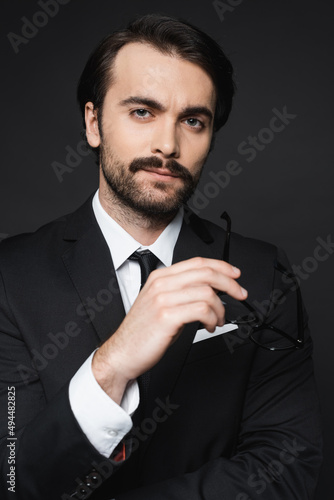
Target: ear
[92,126]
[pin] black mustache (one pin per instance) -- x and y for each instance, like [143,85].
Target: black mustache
[172,165]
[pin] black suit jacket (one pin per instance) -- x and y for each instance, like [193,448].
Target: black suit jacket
[223,418]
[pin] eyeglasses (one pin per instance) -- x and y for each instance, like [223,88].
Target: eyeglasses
[277,322]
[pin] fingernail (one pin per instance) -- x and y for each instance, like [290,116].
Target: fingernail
[244,292]
[236,270]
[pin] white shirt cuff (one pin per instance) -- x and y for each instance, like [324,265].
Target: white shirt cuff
[104,422]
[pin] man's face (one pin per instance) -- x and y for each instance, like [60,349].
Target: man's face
[156,130]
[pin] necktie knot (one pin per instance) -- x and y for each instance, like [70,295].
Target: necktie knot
[147,262]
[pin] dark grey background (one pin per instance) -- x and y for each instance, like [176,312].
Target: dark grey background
[281,53]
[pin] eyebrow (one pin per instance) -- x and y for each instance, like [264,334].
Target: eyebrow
[152,103]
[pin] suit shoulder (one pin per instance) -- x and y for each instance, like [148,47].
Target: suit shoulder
[30,243]
[51,239]
[33,247]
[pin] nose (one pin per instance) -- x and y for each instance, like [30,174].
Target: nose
[165,139]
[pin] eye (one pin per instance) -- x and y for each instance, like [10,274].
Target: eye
[195,123]
[141,113]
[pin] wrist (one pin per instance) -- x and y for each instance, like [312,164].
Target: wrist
[109,375]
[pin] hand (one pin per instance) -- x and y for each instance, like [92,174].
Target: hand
[172,297]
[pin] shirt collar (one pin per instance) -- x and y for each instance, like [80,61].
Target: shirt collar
[122,244]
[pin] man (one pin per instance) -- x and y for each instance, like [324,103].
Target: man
[124,339]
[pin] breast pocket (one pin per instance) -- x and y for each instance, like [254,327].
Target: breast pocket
[223,339]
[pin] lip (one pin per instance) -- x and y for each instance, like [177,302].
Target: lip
[161,173]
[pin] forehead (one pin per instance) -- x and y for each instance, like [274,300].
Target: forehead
[140,69]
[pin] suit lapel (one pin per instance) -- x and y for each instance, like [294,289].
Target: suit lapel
[89,264]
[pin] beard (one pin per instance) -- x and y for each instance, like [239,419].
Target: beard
[151,199]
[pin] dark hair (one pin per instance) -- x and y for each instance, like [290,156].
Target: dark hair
[170,36]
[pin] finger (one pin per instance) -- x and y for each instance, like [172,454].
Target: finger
[192,294]
[195,311]
[164,282]
[200,262]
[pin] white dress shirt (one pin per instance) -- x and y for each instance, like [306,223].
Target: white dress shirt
[104,422]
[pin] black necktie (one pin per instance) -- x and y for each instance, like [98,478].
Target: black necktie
[148,263]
